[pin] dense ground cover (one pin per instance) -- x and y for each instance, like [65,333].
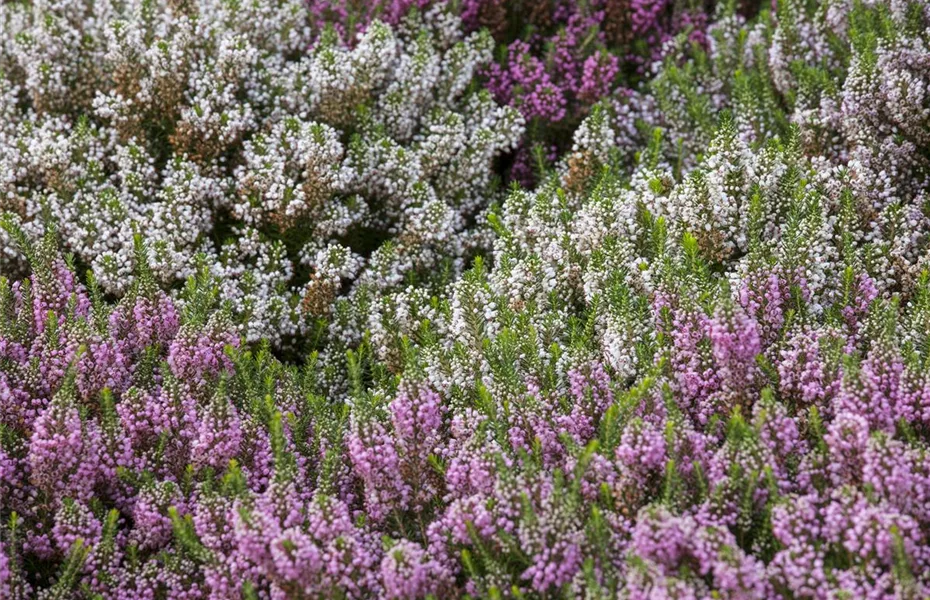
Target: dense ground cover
[690,362]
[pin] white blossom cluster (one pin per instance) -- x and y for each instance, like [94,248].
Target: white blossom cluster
[239,138]
[851,88]
[857,94]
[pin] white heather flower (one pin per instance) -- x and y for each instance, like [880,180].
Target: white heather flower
[233,135]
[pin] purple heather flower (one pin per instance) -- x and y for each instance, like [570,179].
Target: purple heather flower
[73,522]
[407,571]
[64,452]
[197,359]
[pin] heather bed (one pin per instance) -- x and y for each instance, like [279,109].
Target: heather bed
[687,359]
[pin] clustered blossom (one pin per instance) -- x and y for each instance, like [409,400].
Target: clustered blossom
[556,59]
[694,362]
[213,129]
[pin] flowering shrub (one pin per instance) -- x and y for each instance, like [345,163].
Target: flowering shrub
[289,174]
[694,364]
[848,76]
[556,59]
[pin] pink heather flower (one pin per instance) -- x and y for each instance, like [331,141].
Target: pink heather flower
[218,436]
[197,359]
[407,571]
[153,528]
[146,322]
[376,462]
[64,453]
[74,521]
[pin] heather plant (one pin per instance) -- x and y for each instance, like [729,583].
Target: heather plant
[694,364]
[555,59]
[755,317]
[611,409]
[650,405]
[558,59]
[212,129]
[144,455]
[846,73]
